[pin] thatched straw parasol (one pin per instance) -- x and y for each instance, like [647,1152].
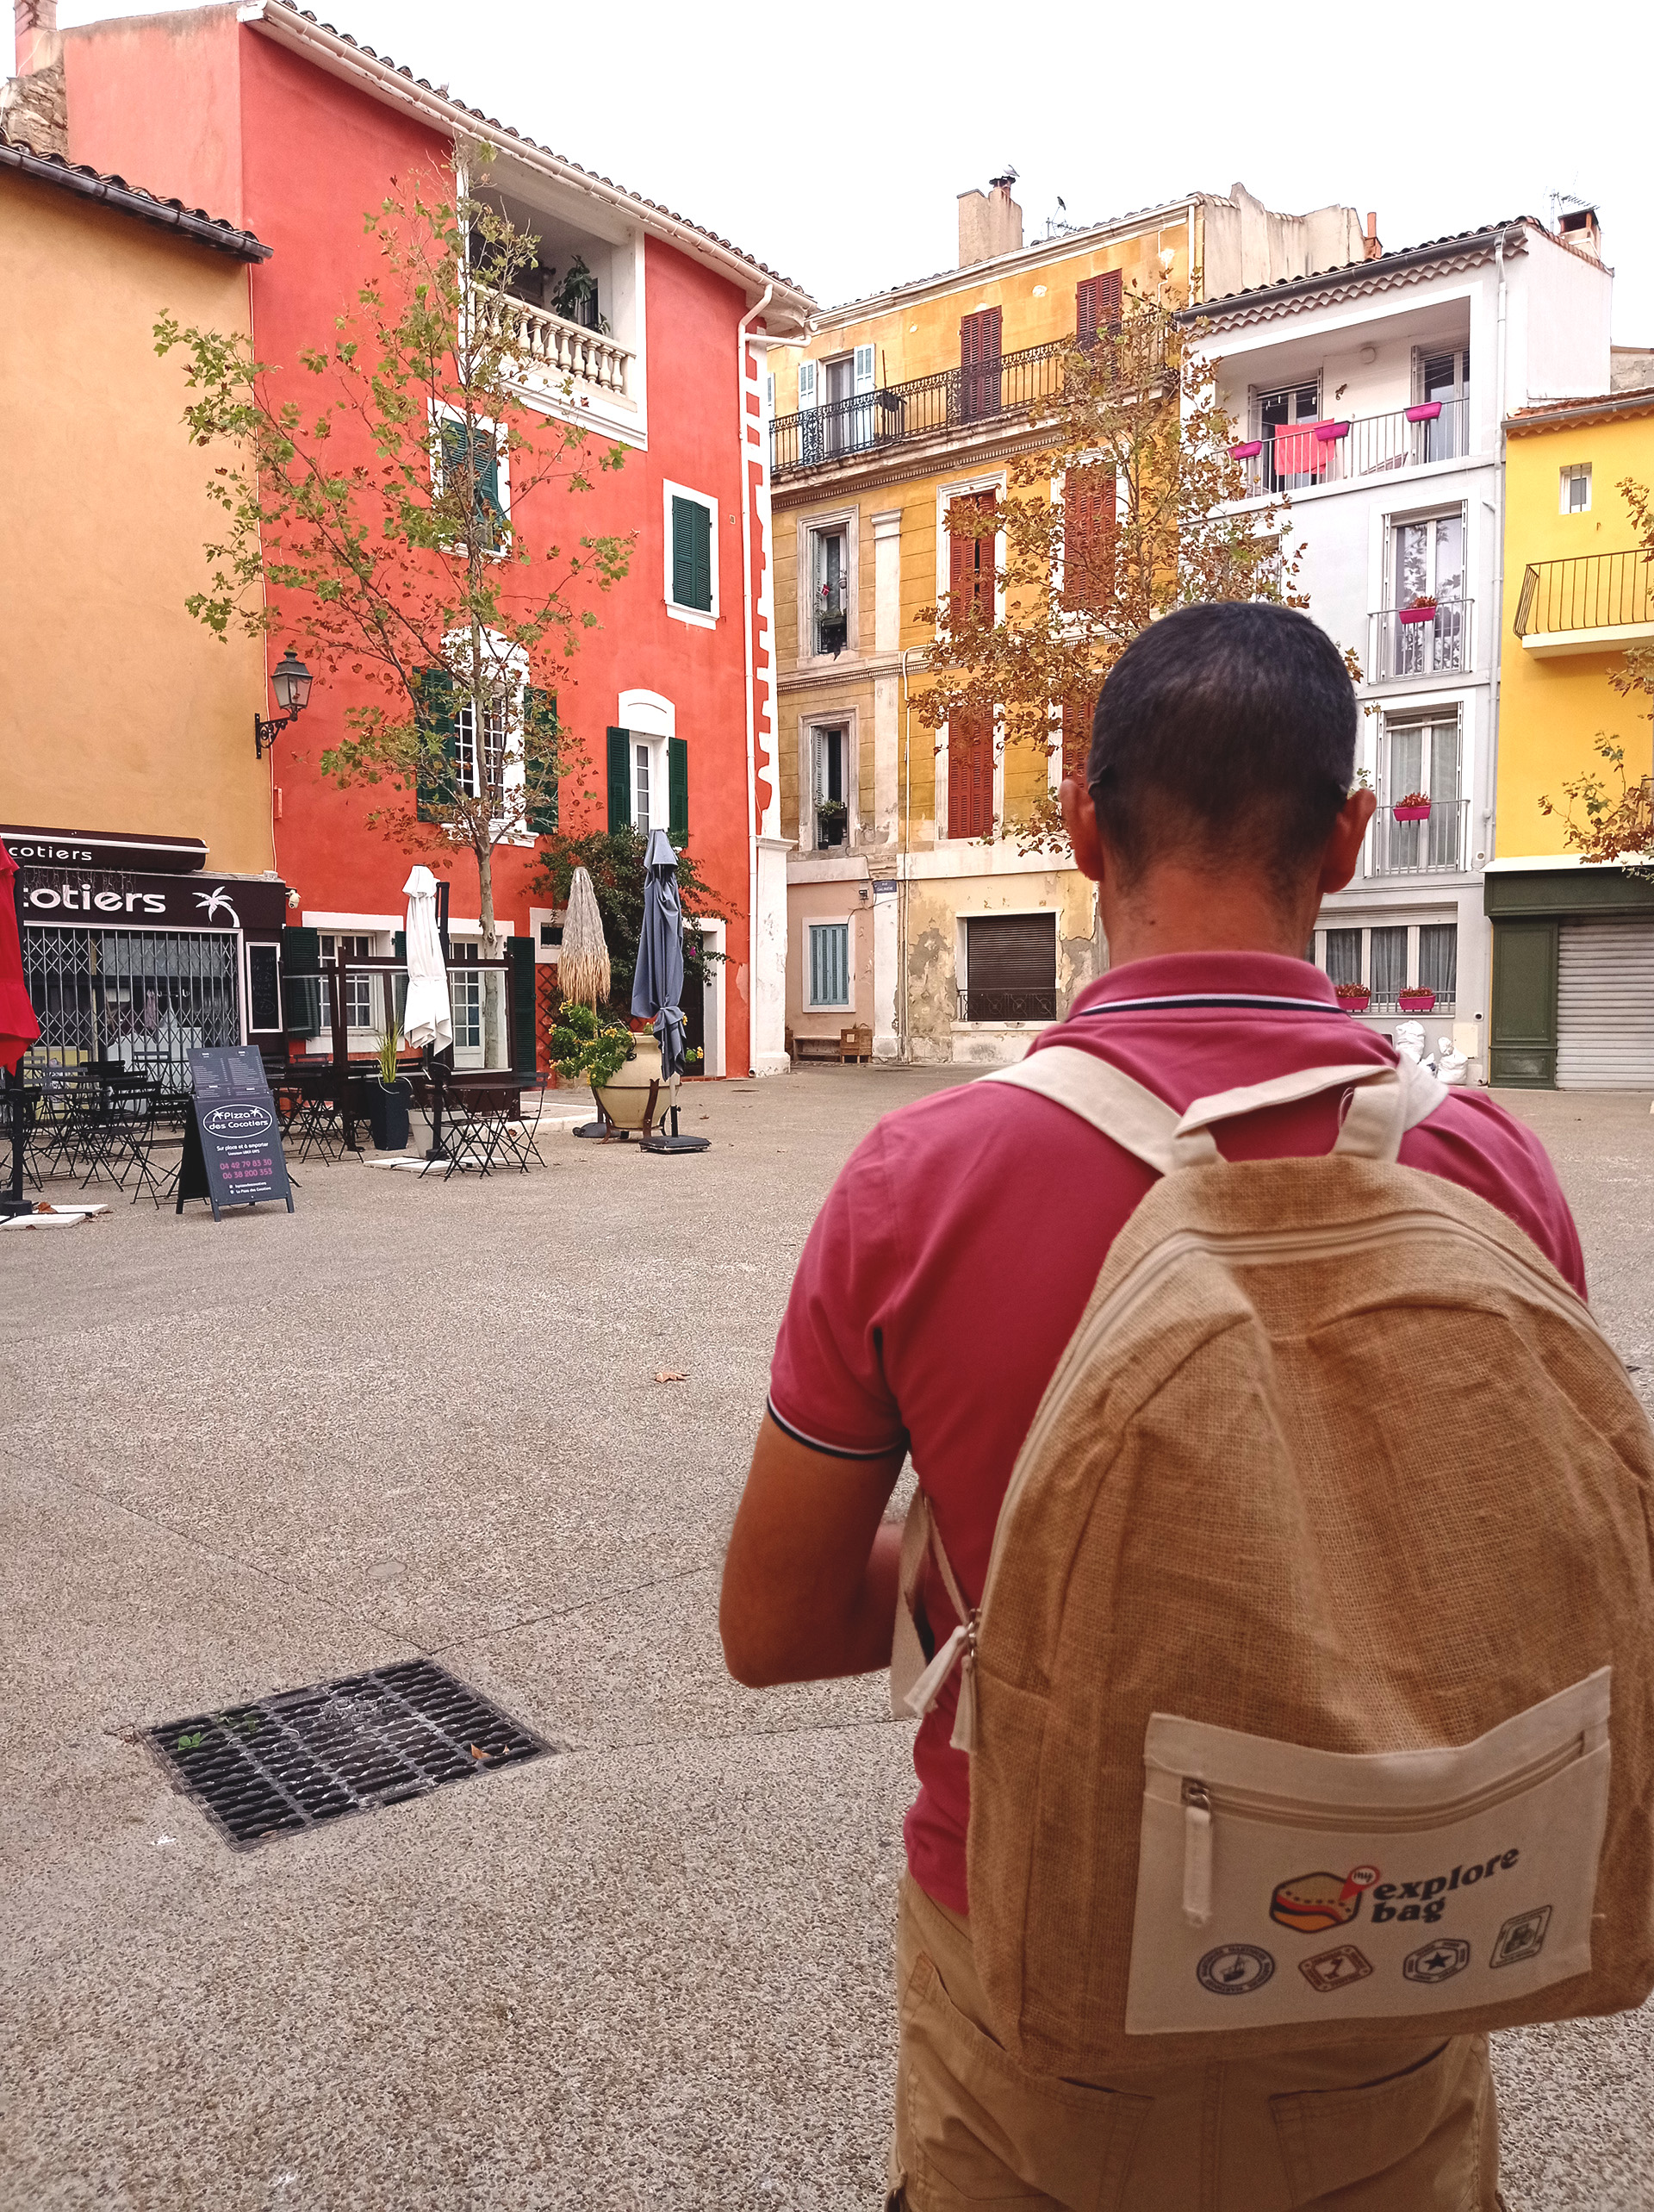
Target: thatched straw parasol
[583,965]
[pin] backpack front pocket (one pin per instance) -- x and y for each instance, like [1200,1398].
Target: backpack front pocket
[1277,1884]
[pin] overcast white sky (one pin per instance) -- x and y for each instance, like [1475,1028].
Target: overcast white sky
[831,142]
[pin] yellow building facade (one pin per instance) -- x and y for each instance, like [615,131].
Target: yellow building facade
[909,917]
[1573,942]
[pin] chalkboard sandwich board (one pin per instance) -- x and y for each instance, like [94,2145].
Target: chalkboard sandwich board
[232,1142]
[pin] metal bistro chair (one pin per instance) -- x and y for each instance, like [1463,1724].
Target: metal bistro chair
[476,1128]
[141,1108]
[519,1136]
[121,1131]
[318,1124]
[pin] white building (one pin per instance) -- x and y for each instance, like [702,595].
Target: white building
[1373,395]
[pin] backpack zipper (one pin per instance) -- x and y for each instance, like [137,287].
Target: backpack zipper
[1202,1801]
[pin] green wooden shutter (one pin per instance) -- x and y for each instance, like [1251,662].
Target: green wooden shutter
[301,984]
[490,510]
[691,554]
[677,788]
[619,779]
[520,951]
[437,775]
[539,730]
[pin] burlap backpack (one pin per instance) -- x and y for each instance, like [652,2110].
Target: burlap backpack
[1308,1694]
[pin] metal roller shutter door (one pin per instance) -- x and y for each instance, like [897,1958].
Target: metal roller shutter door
[1605,1007]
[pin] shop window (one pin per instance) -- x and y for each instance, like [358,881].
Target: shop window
[830,963]
[1010,969]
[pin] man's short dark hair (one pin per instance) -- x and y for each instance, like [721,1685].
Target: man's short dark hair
[1227,732]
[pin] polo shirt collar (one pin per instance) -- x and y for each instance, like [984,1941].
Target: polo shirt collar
[1211,979]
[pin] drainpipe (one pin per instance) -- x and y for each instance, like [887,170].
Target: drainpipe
[740,332]
[1490,819]
[907,824]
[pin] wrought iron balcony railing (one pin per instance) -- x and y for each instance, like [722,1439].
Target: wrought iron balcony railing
[1420,641]
[1300,456]
[925,407]
[1436,846]
[1008,1006]
[1597,591]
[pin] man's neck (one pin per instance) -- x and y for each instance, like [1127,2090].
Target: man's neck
[1175,909]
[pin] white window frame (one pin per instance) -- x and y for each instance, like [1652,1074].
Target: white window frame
[513,775]
[1570,474]
[847,719]
[810,1004]
[649,717]
[378,947]
[846,521]
[698,617]
[441,412]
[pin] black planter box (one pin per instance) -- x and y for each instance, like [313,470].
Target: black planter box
[388,1115]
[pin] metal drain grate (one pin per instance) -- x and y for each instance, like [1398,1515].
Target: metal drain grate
[306,1756]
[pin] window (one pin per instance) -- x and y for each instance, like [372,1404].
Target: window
[1010,969]
[830,963]
[465,1000]
[1576,488]
[832,821]
[1099,306]
[1089,524]
[831,591]
[1293,456]
[1426,630]
[358,989]
[1344,956]
[1445,380]
[1439,961]
[263,993]
[848,425]
[648,774]
[640,816]
[978,365]
[1387,955]
[690,556]
[479,773]
[1422,762]
[970,580]
[467,453]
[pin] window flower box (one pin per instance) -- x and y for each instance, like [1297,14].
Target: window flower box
[1355,998]
[1427,413]
[1421,610]
[1248,452]
[1325,433]
[1416,1002]
[1415,808]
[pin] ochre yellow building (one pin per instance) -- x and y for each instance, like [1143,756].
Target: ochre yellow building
[1573,942]
[908,918]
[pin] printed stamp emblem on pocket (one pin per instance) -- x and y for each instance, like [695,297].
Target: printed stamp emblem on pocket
[1234,1969]
[1437,1962]
[1522,1937]
[1335,1969]
[1314,1903]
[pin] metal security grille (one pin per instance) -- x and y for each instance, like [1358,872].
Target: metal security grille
[291,1762]
[1605,1005]
[143,997]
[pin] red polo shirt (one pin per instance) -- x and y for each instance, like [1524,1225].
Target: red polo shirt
[955,1253]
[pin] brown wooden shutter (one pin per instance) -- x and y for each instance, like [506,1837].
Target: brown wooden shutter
[1089,527]
[1110,300]
[970,775]
[978,365]
[970,559]
[1085,311]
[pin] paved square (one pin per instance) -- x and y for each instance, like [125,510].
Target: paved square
[424,1419]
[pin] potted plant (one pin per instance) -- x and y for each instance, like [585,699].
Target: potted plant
[1355,998]
[388,1095]
[1415,808]
[1420,609]
[1248,449]
[603,1052]
[1427,411]
[832,821]
[1416,1002]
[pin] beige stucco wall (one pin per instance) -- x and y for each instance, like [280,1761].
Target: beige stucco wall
[119,711]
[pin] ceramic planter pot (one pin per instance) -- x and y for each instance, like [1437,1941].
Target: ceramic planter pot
[387,1114]
[1415,814]
[625,1097]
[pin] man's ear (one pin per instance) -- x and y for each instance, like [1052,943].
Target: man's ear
[1079,819]
[1341,855]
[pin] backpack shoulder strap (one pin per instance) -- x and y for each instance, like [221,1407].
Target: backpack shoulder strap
[1137,1121]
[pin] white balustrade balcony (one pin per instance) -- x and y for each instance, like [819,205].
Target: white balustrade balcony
[554,352]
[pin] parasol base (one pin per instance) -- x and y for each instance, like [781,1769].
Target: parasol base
[10,1206]
[676,1144]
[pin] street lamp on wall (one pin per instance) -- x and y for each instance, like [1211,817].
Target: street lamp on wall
[291,684]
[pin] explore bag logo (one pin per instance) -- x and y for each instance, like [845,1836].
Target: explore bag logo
[1312,1902]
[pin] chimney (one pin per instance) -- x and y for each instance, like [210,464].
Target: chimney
[34,105]
[989,223]
[1371,247]
[1581,227]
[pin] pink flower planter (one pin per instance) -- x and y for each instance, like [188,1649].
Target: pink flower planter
[1427,413]
[1327,432]
[1412,814]
[1416,1002]
[1414,615]
[1249,451]
[1355,1002]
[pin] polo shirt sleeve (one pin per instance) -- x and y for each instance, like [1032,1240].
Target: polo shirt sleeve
[827,1383]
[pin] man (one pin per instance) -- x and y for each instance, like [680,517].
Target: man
[946,1273]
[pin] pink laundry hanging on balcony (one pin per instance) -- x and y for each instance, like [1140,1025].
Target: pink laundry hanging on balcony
[1297,451]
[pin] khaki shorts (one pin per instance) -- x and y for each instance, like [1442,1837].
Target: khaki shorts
[1403,2128]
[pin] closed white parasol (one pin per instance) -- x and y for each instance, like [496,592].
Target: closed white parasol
[428,1017]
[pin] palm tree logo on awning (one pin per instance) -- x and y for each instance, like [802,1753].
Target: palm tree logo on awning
[217,902]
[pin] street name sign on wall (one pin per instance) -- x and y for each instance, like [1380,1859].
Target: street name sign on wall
[232,1142]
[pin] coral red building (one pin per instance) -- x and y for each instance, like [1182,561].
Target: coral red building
[293,130]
